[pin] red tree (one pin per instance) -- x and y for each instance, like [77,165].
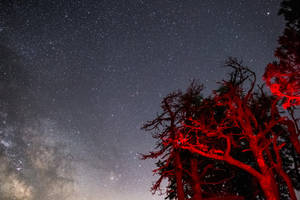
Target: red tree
[185,171]
[283,76]
[243,128]
[166,128]
[247,125]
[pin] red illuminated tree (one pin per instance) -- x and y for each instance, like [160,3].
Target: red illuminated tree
[166,127]
[283,76]
[248,125]
[185,171]
[208,147]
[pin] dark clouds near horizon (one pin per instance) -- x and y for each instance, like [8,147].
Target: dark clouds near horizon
[100,68]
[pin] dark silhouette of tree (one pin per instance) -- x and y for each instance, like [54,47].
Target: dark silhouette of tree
[290,10]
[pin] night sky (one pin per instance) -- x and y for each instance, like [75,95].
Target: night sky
[97,70]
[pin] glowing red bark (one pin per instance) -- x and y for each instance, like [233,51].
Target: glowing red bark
[239,114]
[198,135]
[284,82]
[283,76]
[196,180]
[171,167]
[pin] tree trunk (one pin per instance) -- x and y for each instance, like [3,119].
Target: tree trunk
[196,180]
[267,181]
[269,188]
[178,175]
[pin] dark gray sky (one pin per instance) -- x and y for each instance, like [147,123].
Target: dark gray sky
[99,69]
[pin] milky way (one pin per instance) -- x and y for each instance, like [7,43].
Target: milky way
[99,69]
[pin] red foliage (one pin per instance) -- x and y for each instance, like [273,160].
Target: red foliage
[283,77]
[284,82]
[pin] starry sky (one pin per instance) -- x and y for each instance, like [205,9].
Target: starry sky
[99,69]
